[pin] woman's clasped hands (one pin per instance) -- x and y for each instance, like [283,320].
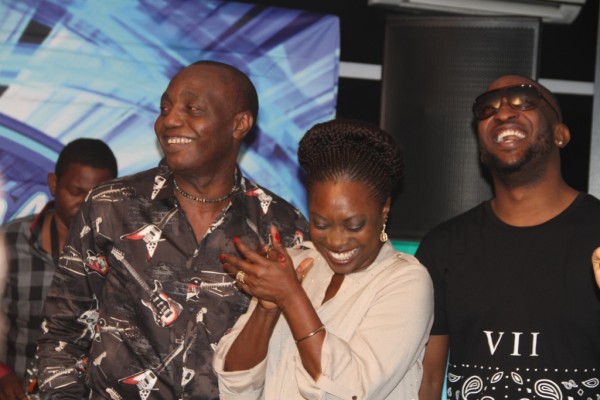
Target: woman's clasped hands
[268,275]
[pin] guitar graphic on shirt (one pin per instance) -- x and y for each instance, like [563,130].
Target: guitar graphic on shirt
[164,309]
[146,379]
[196,285]
[150,233]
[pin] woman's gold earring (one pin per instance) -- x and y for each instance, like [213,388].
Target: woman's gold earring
[383,236]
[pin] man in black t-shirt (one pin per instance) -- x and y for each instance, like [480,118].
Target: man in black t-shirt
[516,306]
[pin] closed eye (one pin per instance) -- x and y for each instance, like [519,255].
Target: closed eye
[320,226]
[355,228]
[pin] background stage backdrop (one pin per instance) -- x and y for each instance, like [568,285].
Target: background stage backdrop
[97,68]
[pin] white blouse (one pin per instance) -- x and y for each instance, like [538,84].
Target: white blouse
[377,326]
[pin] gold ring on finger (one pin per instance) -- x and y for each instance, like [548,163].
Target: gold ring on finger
[240,276]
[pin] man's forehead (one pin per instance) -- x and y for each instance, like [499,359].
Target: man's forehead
[205,76]
[511,80]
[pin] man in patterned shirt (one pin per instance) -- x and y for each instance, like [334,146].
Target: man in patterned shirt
[140,298]
[32,246]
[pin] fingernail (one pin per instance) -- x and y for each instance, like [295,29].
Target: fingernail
[221,257]
[281,257]
[277,238]
[235,239]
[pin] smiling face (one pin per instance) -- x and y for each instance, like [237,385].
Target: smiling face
[511,139]
[200,125]
[345,223]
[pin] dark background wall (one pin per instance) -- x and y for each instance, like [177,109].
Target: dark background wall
[567,53]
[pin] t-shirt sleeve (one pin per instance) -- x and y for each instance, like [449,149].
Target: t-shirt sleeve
[429,254]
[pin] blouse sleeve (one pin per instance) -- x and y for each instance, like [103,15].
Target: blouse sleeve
[242,385]
[386,347]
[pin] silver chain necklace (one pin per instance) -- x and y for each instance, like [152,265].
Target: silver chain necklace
[233,190]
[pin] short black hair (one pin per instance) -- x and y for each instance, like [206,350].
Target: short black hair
[246,95]
[349,149]
[89,152]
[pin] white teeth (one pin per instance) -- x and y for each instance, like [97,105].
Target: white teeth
[509,134]
[345,256]
[178,140]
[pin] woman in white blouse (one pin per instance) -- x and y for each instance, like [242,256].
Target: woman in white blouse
[351,320]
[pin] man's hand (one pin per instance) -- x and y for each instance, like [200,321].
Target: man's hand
[596,264]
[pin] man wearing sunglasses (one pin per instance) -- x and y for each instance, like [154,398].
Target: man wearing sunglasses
[517,308]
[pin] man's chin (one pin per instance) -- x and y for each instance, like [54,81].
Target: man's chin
[503,167]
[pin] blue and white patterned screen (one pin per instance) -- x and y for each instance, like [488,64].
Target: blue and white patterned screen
[97,68]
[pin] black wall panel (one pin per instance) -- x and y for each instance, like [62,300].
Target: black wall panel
[433,68]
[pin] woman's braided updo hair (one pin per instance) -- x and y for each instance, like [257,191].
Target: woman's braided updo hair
[353,150]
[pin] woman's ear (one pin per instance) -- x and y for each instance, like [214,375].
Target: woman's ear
[386,207]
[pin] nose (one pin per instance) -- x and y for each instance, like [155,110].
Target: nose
[336,239]
[171,118]
[505,111]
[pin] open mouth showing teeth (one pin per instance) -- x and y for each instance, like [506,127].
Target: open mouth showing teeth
[508,135]
[344,256]
[178,140]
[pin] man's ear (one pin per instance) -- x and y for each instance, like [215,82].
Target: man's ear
[562,135]
[52,179]
[243,122]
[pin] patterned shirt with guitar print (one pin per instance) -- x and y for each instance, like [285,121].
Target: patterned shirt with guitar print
[137,305]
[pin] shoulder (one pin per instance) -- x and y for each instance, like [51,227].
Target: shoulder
[262,194]
[584,212]
[21,224]
[270,204]
[591,203]
[399,274]
[451,238]
[461,221]
[126,186]
[135,179]
[399,263]
[457,227]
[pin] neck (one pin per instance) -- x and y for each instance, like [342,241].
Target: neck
[215,189]
[533,204]
[56,238]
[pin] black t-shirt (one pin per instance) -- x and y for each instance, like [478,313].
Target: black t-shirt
[520,304]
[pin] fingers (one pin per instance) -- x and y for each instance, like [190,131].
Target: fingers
[249,254]
[243,269]
[596,265]
[240,276]
[282,254]
[233,266]
[276,240]
[258,265]
[303,268]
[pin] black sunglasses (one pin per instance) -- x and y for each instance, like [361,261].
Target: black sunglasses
[519,97]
